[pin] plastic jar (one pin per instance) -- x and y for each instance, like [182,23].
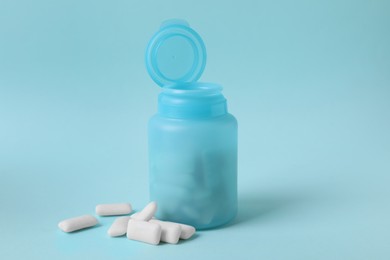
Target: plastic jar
[192,138]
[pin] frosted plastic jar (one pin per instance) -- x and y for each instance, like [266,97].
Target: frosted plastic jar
[192,138]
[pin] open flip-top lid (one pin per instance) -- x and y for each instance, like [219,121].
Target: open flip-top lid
[175,54]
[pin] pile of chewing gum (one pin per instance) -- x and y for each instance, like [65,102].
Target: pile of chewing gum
[140,226]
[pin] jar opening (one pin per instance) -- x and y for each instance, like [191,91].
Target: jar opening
[192,100]
[193,89]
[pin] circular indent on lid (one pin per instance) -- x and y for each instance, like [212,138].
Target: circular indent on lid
[175,54]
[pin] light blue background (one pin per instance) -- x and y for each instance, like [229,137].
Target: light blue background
[309,82]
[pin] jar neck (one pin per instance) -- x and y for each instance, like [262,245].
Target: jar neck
[192,100]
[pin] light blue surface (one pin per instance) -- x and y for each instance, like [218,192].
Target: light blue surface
[308,81]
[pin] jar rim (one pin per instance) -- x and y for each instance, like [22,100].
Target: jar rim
[193,88]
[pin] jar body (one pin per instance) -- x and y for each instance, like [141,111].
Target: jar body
[193,169]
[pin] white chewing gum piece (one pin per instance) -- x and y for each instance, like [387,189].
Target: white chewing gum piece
[144,231]
[77,223]
[118,227]
[147,213]
[170,231]
[113,209]
[187,231]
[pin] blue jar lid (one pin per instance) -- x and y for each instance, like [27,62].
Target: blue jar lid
[175,54]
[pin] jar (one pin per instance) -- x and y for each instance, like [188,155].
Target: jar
[192,138]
